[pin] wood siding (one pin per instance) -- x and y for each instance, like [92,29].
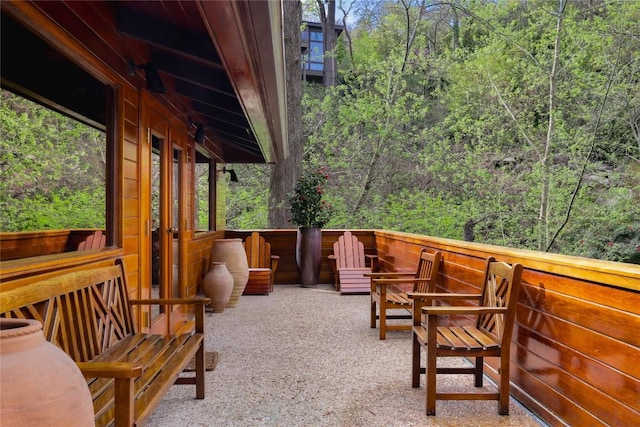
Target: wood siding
[87,34]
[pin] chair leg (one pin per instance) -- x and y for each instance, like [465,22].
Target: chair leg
[373,313]
[383,318]
[503,402]
[479,365]
[415,362]
[431,372]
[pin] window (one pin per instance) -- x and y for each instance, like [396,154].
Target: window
[53,169]
[313,59]
[57,147]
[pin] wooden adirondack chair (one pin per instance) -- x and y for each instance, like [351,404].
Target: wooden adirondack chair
[262,265]
[389,291]
[96,240]
[348,262]
[489,336]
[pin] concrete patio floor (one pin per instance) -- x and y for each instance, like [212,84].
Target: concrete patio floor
[307,357]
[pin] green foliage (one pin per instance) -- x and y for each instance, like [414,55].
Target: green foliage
[308,209]
[52,169]
[437,133]
[247,200]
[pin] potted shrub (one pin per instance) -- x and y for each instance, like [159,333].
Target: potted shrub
[310,212]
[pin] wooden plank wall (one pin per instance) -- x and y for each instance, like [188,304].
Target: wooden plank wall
[576,345]
[16,245]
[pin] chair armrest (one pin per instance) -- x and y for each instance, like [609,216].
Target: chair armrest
[110,369]
[373,262]
[453,310]
[442,296]
[406,280]
[390,274]
[274,264]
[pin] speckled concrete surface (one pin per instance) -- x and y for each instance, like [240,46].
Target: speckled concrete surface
[307,357]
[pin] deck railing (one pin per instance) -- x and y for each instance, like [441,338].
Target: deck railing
[576,345]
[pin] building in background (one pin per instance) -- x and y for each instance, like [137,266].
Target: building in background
[312,49]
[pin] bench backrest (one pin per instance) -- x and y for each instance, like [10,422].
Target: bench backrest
[82,312]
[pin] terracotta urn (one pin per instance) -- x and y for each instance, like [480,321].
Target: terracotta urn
[232,253]
[41,385]
[217,284]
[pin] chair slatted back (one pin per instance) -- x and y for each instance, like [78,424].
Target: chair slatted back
[349,251]
[500,289]
[82,312]
[428,269]
[97,240]
[258,251]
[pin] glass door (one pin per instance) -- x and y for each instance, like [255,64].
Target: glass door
[165,186]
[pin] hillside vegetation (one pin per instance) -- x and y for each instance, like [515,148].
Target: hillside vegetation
[512,123]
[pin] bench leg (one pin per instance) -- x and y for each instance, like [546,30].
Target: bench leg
[200,372]
[124,391]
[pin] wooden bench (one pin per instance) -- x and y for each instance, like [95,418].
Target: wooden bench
[88,314]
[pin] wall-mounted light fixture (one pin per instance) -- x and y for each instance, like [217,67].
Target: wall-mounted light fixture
[199,135]
[232,174]
[154,82]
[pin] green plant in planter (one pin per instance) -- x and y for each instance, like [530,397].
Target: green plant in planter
[308,209]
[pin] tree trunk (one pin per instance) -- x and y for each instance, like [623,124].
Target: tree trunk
[328,21]
[285,172]
[543,217]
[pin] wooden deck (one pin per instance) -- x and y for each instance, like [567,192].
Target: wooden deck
[575,342]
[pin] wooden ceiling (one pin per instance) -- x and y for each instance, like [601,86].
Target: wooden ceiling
[221,63]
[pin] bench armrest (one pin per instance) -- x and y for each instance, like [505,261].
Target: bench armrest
[198,302]
[110,369]
[171,301]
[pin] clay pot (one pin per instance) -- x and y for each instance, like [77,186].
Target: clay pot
[217,284]
[231,252]
[41,384]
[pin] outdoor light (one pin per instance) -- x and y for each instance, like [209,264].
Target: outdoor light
[154,82]
[232,174]
[199,135]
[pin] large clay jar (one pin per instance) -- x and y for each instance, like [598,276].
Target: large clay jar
[217,284]
[41,385]
[231,252]
[309,255]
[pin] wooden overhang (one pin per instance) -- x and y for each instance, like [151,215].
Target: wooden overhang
[221,62]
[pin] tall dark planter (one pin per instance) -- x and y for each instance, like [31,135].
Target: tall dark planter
[308,255]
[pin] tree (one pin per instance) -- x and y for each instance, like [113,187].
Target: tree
[285,173]
[328,21]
